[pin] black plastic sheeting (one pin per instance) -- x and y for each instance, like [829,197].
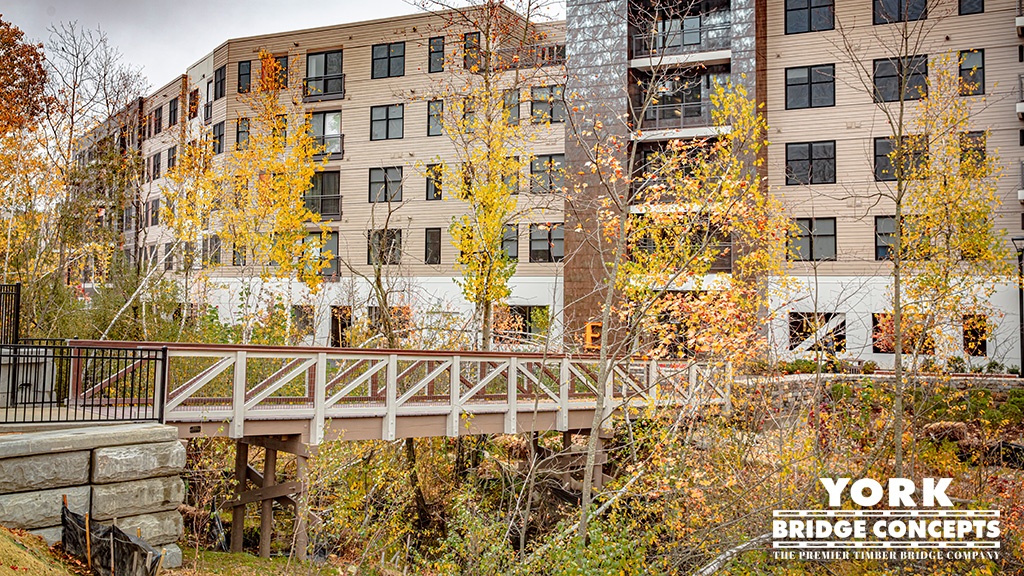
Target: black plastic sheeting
[130,555]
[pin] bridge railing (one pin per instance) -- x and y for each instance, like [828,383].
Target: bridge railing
[233,384]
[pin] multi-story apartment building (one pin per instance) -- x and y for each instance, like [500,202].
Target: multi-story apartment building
[373,93]
[803,60]
[827,65]
[815,67]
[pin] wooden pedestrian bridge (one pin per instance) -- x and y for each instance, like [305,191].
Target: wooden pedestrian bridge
[293,398]
[321,394]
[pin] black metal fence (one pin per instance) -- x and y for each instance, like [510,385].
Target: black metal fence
[10,313]
[43,382]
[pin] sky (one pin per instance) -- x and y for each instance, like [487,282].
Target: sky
[164,37]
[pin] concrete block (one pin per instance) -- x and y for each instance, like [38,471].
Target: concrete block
[75,439]
[137,461]
[44,471]
[126,499]
[51,535]
[157,529]
[31,510]
[172,556]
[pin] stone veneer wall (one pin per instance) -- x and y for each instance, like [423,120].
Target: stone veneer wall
[127,472]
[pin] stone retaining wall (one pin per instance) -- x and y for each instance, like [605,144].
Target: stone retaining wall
[127,472]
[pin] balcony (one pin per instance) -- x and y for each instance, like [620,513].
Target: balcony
[529,56]
[333,145]
[328,206]
[1020,183]
[684,39]
[1020,96]
[676,116]
[329,87]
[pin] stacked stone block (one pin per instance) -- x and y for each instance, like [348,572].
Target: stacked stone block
[128,473]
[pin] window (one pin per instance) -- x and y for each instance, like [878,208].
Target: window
[975,333]
[388,60]
[323,74]
[530,319]
[386,122]
[547,104]
[208,107]
[433,182]
[218,137]
[386,184]
[169,256]
[468,115]
[384,246]
[280,129]
[435,126]
[471,46]
[302,319]
[282,71]
[548,173]
[547,242]
[219,76]
[242,133]
[327,131]
[811,87]
[809,16]
[814,239]
[324,195]
[436,62]
[211,249]
[972,72]
[885,237]
[889,11]
[915,155]
[193,104]
[915,334]
[341,321]
[172,157]
[329,251]
[172,112]
[811,163]
[971,7]
[432,251]
[158,120]
[972,148]
[238,255]
[512,105]
[244,76]
[156,166]
[906,76]
[817,332]
[154,212]
[510,242]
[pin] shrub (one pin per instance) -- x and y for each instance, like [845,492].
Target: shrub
[869,367]
[956,365]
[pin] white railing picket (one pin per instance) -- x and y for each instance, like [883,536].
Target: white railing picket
[238,397]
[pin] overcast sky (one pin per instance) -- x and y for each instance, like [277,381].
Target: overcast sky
[164,37]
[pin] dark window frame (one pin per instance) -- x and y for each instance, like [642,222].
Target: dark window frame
[972,78]
[884,238]
[914,83]
[816,76]
[554,236]
[884,169]
[388,189]
[434,189]
[510,242]
[218,137]
[332,84]
[810,10]
[435,54]
[972,7]
[812,159]
[242,127]
[808,228]
[432,246]
[385,243]
[385,62]
[282,73]
[220,82]
[550,178]
[435,117]
[801,328]
[244,76]
[172,112]
[547,103]
[332,143]
[880,11]
[387,121]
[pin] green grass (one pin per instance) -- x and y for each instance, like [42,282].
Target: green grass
[224,564]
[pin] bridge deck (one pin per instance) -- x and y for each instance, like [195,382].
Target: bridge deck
[356,394]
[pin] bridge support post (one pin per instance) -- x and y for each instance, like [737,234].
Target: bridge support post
[267,506]
[301,508]
[238,511]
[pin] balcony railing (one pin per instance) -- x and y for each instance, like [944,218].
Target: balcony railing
[688,115]
[683,41]
[530,56]
[326,87]
[333,144]
[326,205]
[546,186]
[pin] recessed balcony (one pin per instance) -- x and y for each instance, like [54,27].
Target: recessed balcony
[682,42]
[328,206]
